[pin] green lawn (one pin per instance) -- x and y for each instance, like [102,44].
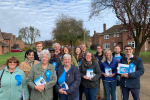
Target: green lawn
[3,58]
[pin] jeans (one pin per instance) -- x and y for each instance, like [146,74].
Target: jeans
[65,97]
[135,93]
[90,93]
[110,88]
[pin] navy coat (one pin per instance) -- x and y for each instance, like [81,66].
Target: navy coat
[134,78]
[73,80]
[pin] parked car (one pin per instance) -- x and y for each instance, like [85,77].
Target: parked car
[16,50]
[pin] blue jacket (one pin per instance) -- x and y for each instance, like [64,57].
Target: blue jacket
[113,65]
[134,78]
[57,60]
[73,80]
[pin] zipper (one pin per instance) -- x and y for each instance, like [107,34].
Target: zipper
[10,87]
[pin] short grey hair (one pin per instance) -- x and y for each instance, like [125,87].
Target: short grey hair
[45,52]
[104,56]
[56,44]
[67,55]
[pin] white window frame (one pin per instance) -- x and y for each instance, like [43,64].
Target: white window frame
[106,36]
[114,44]
[114,35]
[106,45]
[117,34]
[132,43]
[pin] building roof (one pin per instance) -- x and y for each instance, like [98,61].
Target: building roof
[2,44]
[114,29]
[1,37]
[6,35]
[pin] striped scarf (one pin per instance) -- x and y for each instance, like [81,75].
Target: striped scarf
[30,62]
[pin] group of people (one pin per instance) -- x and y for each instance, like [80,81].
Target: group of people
[60,74]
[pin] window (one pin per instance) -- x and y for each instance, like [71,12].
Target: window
[11,42]
[114,44]
[5,47]
[6,41]
[132,44]
[117,34]
[114,35]
[106,36]
[106,45]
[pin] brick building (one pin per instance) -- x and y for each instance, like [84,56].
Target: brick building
[116,35]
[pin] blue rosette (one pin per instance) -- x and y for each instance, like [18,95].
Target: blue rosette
[18,78]
[48,74]
[55,64]
[131,67]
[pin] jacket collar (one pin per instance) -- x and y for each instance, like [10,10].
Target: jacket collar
[41,69]
[16,70]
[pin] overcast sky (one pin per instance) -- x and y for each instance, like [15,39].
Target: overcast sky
[41,14]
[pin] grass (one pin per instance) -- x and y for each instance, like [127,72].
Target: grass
[3,58]
[144,55]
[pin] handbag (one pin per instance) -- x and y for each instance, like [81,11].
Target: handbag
[1,77]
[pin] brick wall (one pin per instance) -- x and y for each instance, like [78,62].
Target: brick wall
[95,39]
[21,43]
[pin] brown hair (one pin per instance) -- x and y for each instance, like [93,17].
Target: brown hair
[128,46]
[75,54]
[38,43]
[117,46]
[84,59]
[13,58]
[69,50]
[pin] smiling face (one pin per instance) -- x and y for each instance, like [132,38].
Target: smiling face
[52,53]
[30,56]
[39,47]
[57,48]
[99,49]
[83,47]
[12,64]
[88,57]
[78,51]
[66,51]
[108,55]
[67,61]
[128,50]
[44,59]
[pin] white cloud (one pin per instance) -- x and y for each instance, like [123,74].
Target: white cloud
[41,14]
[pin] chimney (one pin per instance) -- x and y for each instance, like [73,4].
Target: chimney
[104,27]
[94,32]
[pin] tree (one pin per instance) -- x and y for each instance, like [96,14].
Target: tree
[48,43]
[68,30]
[133,14]
[29,34]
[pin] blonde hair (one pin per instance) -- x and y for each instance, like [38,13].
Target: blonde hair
[104,56]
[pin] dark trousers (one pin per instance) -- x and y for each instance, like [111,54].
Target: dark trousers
[90,93]
[80,92]
[55,94]
[135,93]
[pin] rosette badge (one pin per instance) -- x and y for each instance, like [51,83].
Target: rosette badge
[48,74]
[131,66]
[18,79]
[55,64]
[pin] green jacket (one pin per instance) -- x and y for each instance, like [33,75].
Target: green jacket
[36,71]
[9,90]
[73,61]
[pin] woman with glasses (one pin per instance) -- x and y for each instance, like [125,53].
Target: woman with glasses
[13,81]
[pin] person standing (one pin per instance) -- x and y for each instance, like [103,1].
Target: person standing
[118,55]
[56,62]
[83,48]
[78,55]
[99,57]
[39,47]
[90,84]
[109,71]
[58,52]
[131,81]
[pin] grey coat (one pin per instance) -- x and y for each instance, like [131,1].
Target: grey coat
[35,72]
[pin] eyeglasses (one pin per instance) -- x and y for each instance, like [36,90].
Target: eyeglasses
[128,49]
[12,62]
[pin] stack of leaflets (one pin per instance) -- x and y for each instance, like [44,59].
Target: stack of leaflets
[39,81]
[108,71]
[124,68]
[64,86]
[90,73]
